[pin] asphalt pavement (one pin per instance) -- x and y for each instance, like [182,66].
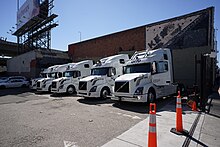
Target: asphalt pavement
[29,119]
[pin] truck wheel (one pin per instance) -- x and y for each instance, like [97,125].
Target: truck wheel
[151,96]
[104,93]
[70,90]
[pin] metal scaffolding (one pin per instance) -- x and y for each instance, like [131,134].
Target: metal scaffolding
[36,33]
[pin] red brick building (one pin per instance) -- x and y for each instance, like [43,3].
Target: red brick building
[128,40]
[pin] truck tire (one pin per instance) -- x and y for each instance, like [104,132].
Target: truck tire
[151,96]
[104,93]
[70,90]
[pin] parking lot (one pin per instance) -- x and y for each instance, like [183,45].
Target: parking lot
[35,119]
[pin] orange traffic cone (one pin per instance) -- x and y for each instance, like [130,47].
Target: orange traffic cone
[194,107]
[179,122]
[152,133]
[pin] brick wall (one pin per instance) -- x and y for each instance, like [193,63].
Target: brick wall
[129,40]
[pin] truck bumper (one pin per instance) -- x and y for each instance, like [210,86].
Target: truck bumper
[140,98]
[58,90]
[88,94]
[42,89]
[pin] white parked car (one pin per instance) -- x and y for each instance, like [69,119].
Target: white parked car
[13,82]
[4,79]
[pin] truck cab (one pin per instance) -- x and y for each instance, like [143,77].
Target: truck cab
[101,81]
[33,82]
[70,80]
[147,76]
[56,71]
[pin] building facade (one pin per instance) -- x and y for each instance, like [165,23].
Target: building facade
[30,64]
[190,37]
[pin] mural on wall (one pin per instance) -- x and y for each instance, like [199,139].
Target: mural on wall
[160,35]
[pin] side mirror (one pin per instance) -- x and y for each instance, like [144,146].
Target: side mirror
[154,68]
[111,72]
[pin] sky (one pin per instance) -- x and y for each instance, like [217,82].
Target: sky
[86,19]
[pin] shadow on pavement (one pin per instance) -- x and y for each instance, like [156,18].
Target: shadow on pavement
[185,144]
[144,107]
[95,101]
[62,95]
[14,91]
[134,107]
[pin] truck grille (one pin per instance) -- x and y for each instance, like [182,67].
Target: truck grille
[122,87]
[82,85]
[38,84]
[54,84]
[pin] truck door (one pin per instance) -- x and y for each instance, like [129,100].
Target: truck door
[111,76]
[161,76]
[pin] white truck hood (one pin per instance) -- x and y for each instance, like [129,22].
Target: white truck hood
[131,76]
[47,79]
[59,79]
[89,78]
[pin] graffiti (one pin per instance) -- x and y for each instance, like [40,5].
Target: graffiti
[157,39]
[168,31]
[176,30]
[151,44]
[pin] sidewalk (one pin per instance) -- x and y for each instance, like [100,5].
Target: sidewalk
[210,131]
[203,129]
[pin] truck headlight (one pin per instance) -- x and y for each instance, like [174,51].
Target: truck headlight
[139,91]
[93,89]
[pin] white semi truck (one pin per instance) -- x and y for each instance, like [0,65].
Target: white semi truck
[70,80]
[148,75]
[101,81]
[43,74]
[56,71]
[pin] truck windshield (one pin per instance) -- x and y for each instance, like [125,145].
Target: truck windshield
[138,68]
[100,71]
[43,75]
[70,74]
[52,75]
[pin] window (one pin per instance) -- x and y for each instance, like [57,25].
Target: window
[165,57]
[100,71]
[138,68]
[78,74]
[122,61]
[59,74]
[114,71]
[162,66]
[86,65]
[111,72]
[16,80]
[73,74]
